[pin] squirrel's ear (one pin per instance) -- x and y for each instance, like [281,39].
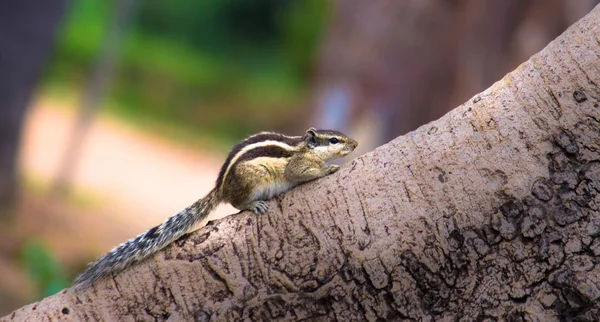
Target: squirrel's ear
[311,137]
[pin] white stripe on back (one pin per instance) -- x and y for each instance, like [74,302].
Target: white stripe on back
[253,146]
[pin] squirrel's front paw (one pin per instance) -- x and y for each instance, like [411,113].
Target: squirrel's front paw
[332,168]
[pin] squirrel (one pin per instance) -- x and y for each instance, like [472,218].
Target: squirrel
[257,169]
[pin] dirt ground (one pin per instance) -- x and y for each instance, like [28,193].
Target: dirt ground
[125,183]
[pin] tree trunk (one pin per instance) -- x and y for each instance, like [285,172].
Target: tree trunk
[389,66]
[489,213]
[94,93]
[27,31]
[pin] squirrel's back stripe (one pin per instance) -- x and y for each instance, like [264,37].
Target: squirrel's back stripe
[261,140]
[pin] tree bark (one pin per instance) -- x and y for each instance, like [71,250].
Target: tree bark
[489,213]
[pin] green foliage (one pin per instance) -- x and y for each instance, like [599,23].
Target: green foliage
[47,274]
[198,64]
[80,38]
[304,24]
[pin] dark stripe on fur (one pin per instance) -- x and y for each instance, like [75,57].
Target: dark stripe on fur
[264,136]
[323,136]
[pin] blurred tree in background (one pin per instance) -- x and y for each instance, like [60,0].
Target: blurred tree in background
[27,31]
[387,67]
[94,92]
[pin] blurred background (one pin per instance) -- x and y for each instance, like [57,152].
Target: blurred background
[117,114]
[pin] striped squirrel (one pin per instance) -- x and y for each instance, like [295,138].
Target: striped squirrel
[257,169]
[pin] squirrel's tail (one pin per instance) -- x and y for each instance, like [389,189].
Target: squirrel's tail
[149,242]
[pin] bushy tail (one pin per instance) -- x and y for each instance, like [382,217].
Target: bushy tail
[149,242]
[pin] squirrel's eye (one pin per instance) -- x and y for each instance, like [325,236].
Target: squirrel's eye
[334,140]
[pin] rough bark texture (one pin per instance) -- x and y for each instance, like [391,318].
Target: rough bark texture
[490,213]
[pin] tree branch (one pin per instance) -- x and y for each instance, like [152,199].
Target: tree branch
[491,212]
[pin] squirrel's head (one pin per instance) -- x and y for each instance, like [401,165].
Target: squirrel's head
[328,144]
